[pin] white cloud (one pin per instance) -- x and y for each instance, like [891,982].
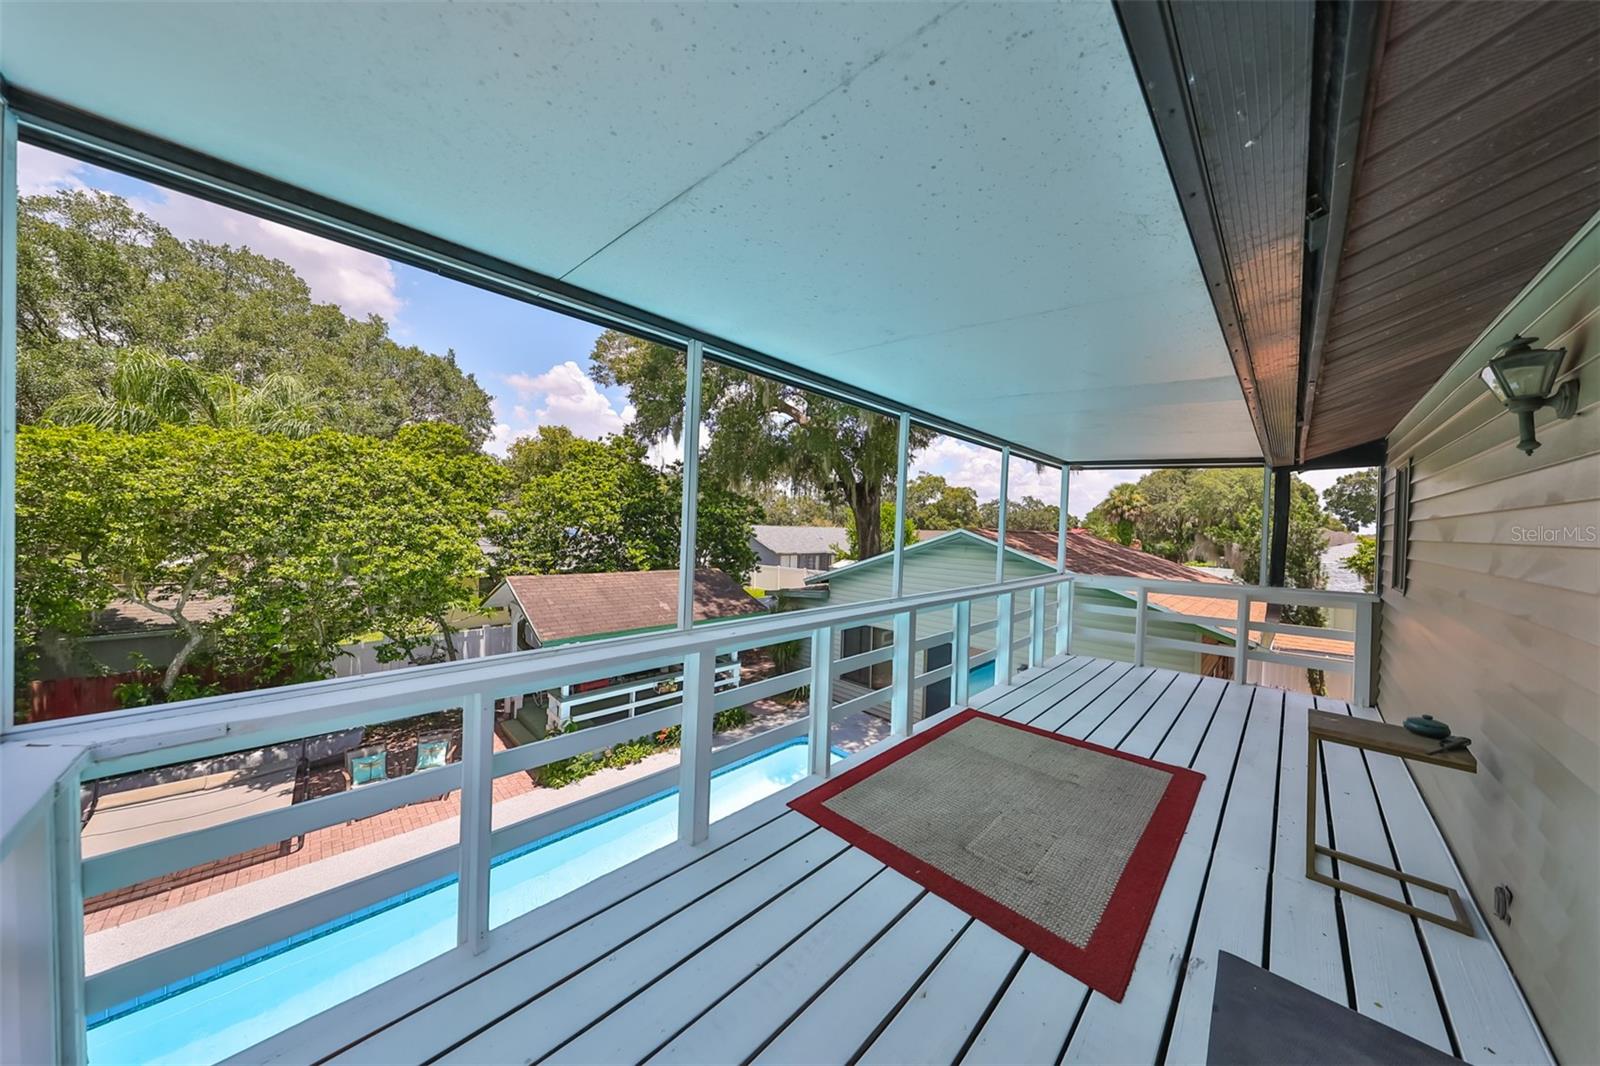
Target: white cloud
[564,396]
[978,468]
[40,171]
[359,282]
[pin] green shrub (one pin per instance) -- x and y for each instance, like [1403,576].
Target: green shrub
[564,772]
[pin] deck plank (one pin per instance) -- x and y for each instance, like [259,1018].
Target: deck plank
[1304,945]
[430,1030]
[1233,908]
[945,1009]
[1108,687]
[737,1027]
[845,1017]
[633,1031]
[1033,683]
[1031,1021]
[543,1023]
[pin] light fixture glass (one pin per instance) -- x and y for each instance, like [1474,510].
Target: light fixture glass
[1524,379]
[1520,371]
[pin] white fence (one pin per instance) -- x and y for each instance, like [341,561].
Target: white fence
[357,659]
[137,739]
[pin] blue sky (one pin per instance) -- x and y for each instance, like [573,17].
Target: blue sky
[534,363]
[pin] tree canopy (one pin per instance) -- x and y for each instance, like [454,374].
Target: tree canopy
[1166,510]
[934,503]
[97,279]
[763,431]
[306,543]
[1354,498]
[586,506]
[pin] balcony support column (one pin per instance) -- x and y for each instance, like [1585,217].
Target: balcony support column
[904,669]
[693,362]
[1265,560]
[694,765]
[1278,563]
[897,573]
[821,700]
[8,409]
[477,823]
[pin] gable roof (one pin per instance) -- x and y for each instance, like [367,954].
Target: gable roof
[800,540]
[923,544]
[125,616]
[1089,554]
[563,607]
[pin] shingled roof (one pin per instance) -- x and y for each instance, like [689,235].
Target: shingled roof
[563,607]
[1088,554]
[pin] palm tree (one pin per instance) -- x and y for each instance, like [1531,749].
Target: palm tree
[1124,507]
[147,389]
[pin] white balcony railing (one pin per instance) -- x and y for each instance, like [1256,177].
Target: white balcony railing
[1034,618]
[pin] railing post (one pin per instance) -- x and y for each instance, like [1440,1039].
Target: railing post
[1141,606]
[905,628]
[66,841]
[961,656]
[1361,683]
[821,700]
[1004,665]
[1036,630]
[1064,617]
[688,520]
[694,766]
[477,824]
[1241,641]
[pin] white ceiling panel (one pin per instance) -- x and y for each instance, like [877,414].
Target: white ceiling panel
[961,207]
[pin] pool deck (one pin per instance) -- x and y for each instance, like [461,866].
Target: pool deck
[777,942]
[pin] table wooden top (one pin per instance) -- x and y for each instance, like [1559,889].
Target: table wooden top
[1386,738]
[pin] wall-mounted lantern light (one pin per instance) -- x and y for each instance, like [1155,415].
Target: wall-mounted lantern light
[1524,379]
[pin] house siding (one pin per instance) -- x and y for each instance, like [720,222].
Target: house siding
[1498,632]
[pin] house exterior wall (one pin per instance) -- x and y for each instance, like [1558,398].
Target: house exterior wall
[1498,632]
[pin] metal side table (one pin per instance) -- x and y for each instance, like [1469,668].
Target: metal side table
[1387,740]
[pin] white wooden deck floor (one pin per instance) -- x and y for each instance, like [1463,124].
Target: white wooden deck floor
[778,943]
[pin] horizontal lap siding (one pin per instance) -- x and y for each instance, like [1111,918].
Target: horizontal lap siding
[1498,632]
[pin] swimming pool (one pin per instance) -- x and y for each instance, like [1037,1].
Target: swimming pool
[220,1014]
[981,677]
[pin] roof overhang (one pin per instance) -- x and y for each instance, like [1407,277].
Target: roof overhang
[961,208]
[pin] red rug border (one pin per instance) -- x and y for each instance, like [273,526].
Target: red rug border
[1106,963]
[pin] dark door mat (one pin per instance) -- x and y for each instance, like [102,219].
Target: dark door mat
[1261,1019]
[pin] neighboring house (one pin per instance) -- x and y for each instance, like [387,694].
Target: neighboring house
[787,555]
[125,635]
[553,609]
[963,558]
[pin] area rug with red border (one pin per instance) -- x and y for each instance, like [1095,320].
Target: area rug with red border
[1059,844]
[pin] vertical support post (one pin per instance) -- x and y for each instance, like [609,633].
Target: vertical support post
[1277,563]
[1004,660]
[694,360]
[1361,684]
[694,765]
[904,660]
[897,572]
[821,700]
[1266,526]
[477,824]
[8,412]
[1063,531]
[1064,616]
[1141,616]
[66,841]
[961,656]
[1000,522]
[1241,640]
[1036,629]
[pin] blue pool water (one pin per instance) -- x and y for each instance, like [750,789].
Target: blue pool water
[245,1003]
[982,677]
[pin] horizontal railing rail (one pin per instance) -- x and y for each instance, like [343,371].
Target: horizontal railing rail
[1033,619]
